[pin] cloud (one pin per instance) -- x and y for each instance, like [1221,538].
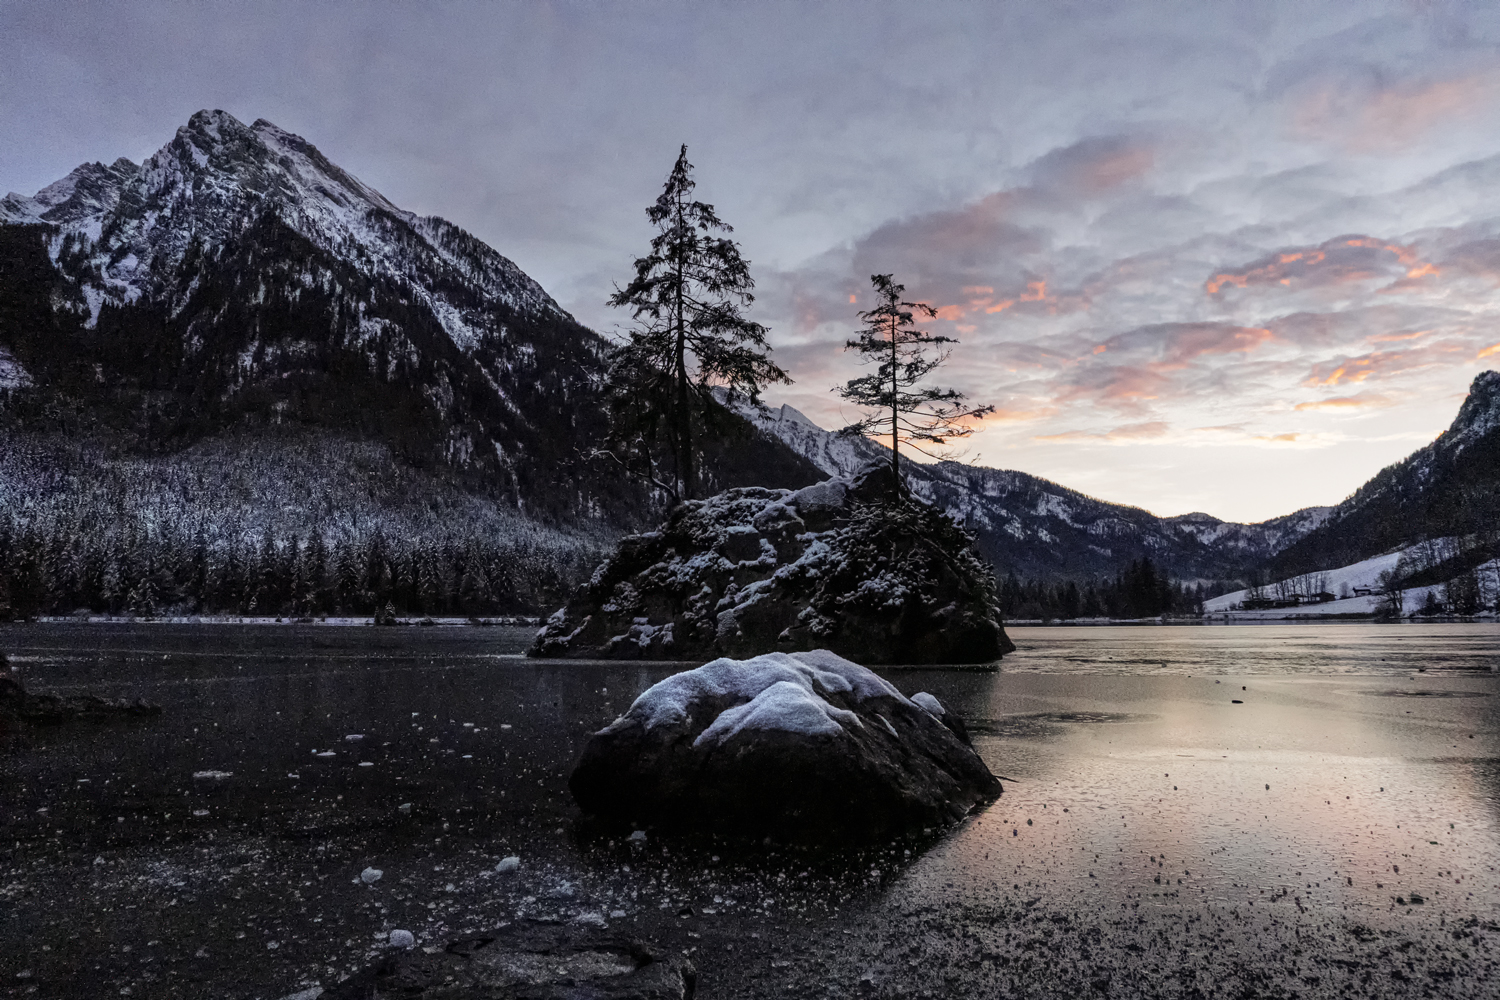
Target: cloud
[1340,403]
[1368,117]
[1128,433]
[1339,261]
[1386,364]
[1093,166]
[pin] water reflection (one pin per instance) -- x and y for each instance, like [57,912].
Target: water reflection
[1256,778]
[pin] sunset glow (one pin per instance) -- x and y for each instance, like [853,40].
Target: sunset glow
[1288,209]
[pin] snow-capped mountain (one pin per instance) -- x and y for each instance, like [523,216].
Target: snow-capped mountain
[1034,527]
[238,279]
[130,228]
[238,275]
[1449,489]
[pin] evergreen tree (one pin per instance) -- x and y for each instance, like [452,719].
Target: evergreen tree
[901,407]
[686,300]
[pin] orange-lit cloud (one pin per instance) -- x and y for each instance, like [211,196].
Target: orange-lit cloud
[1343,403]
[1493,349]
[1001,415]
[1127,433]
[1345,260]
[983,298]
[1391,338]
[1383,364]
[1391,117]
[1094,166]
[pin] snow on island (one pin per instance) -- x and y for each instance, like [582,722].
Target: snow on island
[804,746]
[830,566]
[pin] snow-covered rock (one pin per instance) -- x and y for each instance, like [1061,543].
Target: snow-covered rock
[805,747]
[753,570]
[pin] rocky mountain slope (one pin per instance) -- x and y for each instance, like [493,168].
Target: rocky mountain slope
[235,359]
[238,276]
[1449,490]
[1036,528]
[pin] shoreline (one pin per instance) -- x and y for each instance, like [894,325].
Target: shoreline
[526,621]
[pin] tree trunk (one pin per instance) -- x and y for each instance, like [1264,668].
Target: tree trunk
[687,487]
[895,418]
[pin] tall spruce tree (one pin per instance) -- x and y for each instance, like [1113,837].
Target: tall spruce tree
[900,406]
[690,334]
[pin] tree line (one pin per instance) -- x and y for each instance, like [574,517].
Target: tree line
[59,568]
[1141,590]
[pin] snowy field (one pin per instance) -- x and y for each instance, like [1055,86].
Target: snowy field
[1341,581]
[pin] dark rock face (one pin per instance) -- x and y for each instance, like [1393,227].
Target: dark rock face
[528,961]
[803,748]
[48,709]
[828,566]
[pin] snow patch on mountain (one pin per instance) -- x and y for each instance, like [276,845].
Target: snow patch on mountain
[217,177]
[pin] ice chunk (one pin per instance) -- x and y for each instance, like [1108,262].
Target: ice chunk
[591,919]
[402,939]
[509,864]
[638,836]
[929,704]
[371,875]
[212,775]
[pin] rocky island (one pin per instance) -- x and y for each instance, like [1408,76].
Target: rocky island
[834,566]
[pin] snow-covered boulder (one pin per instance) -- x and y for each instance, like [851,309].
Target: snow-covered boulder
[802,747]
[829,566]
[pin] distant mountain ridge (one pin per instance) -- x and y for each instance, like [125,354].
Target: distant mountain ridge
[1447,489]
[1037,528]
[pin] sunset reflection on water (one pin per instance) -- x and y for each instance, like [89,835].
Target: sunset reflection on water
[1362,786]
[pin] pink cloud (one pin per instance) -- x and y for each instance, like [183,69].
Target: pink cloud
[1393,117]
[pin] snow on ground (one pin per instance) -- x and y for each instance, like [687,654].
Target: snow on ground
[1363,574]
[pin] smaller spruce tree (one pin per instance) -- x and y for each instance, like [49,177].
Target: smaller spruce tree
[900,406]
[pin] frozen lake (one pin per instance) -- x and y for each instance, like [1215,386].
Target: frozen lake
[1262,810]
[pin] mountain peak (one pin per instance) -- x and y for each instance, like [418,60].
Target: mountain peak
[218,176]
[1479,414]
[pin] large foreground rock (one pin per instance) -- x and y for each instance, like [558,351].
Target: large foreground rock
[48,709]
[830,566]
[528,960]
[803,747]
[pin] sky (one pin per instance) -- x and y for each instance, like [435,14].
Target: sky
[1216,256]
